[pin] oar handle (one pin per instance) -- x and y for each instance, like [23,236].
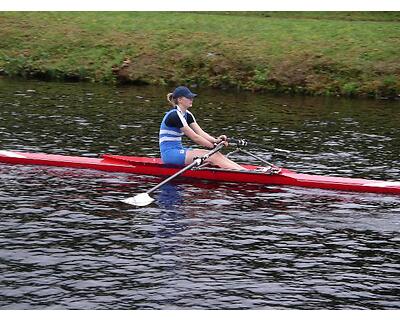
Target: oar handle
[238,142]
[245,143]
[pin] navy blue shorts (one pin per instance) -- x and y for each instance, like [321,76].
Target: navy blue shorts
[174,156]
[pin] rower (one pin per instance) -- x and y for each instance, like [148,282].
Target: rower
[178,122]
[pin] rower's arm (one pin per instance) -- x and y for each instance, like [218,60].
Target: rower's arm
[197,129]
[196,138]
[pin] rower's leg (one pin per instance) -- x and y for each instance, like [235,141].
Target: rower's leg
[217,159]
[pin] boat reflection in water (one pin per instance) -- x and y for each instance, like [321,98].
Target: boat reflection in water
[177,194]
[169,196]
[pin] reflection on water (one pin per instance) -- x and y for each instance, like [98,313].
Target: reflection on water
[66,240]
[169,196]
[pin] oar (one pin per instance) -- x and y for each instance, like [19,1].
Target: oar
[245,143]
[143,199]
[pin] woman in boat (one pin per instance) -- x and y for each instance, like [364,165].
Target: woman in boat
[178,122]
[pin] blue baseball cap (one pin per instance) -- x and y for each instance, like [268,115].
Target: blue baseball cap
[183,91]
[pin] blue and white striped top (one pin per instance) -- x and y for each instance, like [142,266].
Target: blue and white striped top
[170,129]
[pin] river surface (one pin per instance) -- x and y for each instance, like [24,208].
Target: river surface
[67,242]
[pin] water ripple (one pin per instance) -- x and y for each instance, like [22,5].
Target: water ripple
[67,242]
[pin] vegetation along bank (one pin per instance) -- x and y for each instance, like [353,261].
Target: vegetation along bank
[315,53]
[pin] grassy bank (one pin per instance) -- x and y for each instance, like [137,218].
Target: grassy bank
[310,53]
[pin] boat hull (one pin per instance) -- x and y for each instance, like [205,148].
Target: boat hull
[154,167]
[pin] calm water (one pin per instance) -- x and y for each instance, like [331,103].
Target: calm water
[66,242]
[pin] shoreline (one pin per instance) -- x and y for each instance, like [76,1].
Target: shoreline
[284,54]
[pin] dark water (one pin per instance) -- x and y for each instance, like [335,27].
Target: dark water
[67,242]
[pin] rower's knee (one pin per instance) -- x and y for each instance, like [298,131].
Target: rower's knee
[217,159]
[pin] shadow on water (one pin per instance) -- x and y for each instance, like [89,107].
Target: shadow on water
[66,240]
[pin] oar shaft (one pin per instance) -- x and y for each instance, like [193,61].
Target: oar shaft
[244,143]
[195,163]
[190,166]
[257,157]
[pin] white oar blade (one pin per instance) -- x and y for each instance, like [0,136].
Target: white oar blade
[140,200]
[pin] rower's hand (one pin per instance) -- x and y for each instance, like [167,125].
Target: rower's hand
[222,138]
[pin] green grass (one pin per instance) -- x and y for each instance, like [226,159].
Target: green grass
[328,53]
[322,15]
